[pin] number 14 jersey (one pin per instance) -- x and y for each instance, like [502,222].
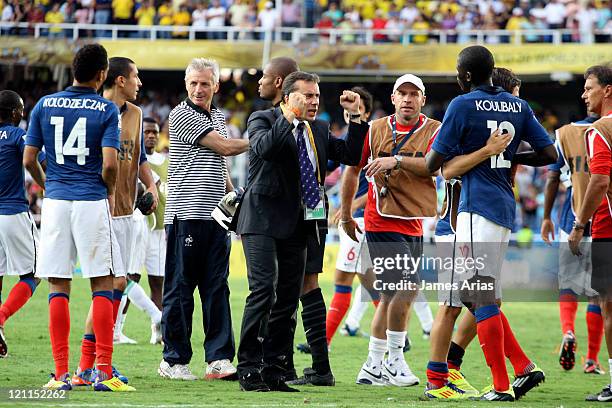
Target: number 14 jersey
[468,123]
[73,126]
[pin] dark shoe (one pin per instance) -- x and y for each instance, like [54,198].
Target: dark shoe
[523,383]
[287,368]
[277,384]
[311,377]
[252,382]
[604,396]
[304,348]
[567,352]
[593,367]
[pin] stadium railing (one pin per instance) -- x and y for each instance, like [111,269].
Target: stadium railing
[296,35]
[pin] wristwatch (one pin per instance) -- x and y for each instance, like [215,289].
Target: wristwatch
[354,115]
[578,226]
[398,161]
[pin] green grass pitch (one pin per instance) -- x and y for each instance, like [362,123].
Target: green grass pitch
[536,325]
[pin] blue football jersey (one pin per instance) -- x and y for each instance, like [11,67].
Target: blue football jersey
[468,123]
[13,198]
[73,126]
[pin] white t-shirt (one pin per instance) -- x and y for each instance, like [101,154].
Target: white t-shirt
[7,13]
[198,18]
[268,18]
[555,13]
[409,14]
[216,16]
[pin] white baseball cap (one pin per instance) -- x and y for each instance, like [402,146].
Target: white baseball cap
[409,79]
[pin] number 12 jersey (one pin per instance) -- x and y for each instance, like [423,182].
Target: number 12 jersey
[468,123]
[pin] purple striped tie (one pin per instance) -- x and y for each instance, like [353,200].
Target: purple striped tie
[310,187]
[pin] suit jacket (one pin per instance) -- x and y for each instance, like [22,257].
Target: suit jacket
[272,202]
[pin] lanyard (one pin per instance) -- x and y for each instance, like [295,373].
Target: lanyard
[314,149]
[397,147]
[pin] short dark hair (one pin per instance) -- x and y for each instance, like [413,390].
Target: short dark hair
[603,73]
[88,61]
[366,97]
[506,79]
[479,61]
[292,78]
[150,120]
[117,66]
[283,66]
[9,101]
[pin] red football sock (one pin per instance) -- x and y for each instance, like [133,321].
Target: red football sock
[88,352]
[103,329]
[18,296]
[437,374]
[520,362]
[337,309]
[491,337]
[595,328]
[568,305]
[59,331]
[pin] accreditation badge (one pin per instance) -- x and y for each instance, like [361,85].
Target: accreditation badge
[317,213]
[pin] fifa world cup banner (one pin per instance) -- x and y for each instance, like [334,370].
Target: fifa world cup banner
[20,50]
[441,60]
[176,54]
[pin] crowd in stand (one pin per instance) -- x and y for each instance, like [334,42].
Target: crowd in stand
[584,17]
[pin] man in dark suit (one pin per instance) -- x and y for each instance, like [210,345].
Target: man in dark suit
[283,199]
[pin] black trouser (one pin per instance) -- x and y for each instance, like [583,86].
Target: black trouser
[275,269]
[197,255]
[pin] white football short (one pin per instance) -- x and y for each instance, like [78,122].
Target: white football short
[19,244]
[123,231]
[71,230]
[575,271]
[480,248]
[155,256]
[351,252]
[448,293]
[139,243]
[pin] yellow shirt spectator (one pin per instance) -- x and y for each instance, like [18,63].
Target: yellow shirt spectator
[368,10]
[420,38]
[165,14]
[145,15]
[54,17]
[182,18]
[122,9]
